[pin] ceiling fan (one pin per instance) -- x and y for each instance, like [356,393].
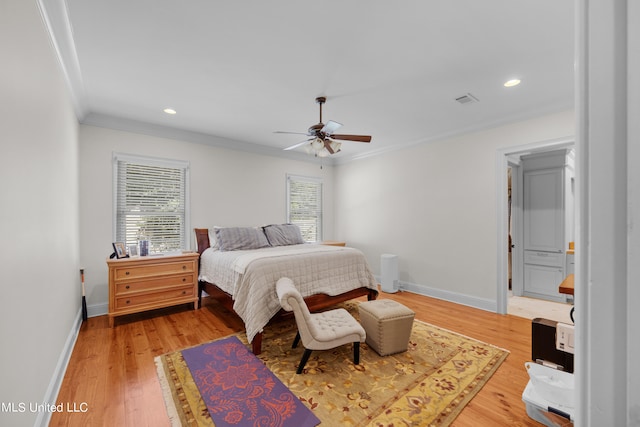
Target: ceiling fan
[322,141]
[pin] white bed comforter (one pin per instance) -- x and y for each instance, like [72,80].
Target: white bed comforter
[250,276]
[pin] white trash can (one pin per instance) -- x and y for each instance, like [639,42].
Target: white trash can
[389,273]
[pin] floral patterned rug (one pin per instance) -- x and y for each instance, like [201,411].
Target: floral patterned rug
[240,391]
[428,385]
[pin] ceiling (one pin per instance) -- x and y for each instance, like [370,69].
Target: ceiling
[235,72]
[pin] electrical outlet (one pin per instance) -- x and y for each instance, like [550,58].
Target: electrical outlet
[565,337]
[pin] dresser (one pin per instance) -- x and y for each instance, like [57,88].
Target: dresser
[150,282]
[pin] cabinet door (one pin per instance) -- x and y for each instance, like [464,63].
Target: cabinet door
[544,210]
[543,282]
[571,264]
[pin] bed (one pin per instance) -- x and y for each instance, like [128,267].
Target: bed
[242,276]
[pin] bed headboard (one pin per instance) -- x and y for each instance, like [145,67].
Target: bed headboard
[202,239]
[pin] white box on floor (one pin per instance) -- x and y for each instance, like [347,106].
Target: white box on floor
[549,395]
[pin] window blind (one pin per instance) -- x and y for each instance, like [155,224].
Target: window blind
[304,206]
[151,203]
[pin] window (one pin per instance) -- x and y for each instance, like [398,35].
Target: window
[304,206]
[151,202]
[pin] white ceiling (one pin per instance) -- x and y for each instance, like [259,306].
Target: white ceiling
[236,71]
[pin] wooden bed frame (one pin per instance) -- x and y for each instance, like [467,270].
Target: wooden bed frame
[314,302]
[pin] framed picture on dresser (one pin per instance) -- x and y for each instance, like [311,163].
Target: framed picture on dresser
[119,250]
[133,250]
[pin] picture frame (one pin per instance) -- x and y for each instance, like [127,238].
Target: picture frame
[119,250]
[133,250]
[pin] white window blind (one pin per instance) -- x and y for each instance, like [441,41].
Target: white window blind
[151,202]
[304,206]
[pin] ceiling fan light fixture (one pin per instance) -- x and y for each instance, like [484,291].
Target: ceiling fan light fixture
[317,144]
[322,153]
[335,146]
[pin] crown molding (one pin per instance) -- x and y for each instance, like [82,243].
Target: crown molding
[55,16]
[515,118]
[145,128]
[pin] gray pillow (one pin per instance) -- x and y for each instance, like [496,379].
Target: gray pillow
[283,234]
[238,238]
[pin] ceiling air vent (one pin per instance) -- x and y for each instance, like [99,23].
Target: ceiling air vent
[467,99]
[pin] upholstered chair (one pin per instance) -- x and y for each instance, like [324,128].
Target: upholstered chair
[319,331]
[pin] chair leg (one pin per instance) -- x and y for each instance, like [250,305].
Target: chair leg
[303,361]
[296,340]
[356,353]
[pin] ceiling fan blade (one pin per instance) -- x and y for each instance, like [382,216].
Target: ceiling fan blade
[358,138]
[331,127]
[292,133]
[299,144]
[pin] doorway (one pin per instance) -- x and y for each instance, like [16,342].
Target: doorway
[509,210]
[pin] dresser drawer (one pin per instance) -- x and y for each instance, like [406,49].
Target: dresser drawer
[552,259]
[129,301]
[127,287]
[147,270]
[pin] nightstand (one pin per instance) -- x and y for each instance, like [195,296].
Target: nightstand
[150,282]
[333,243]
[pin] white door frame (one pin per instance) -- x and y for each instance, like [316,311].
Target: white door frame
[517,285]
[504,156]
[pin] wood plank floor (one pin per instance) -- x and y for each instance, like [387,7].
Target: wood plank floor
[112,376]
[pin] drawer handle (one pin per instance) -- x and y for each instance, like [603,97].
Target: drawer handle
[184,292]
[184,267]
[184,279]
[127,287]
[128,301]
[542,254]
[126,273]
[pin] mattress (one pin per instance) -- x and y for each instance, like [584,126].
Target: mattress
[250,276]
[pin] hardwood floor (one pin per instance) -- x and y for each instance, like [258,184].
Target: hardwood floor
[112,375]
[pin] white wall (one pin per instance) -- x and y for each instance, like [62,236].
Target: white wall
[633,193]
[228,188]
[39,308]
[607,292]
[434,205]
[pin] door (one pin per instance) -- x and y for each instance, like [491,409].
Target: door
[544,227]
[544,210]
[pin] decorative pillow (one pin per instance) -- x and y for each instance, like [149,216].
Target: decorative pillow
[283,234]
[238,238]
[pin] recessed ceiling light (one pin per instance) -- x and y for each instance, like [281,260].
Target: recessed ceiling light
[511,83]
[169,111]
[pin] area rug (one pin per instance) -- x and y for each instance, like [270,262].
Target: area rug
[239,390]
[428,385]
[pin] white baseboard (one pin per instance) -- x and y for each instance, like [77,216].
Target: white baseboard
[58,374]
[95,310]
[468,300]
